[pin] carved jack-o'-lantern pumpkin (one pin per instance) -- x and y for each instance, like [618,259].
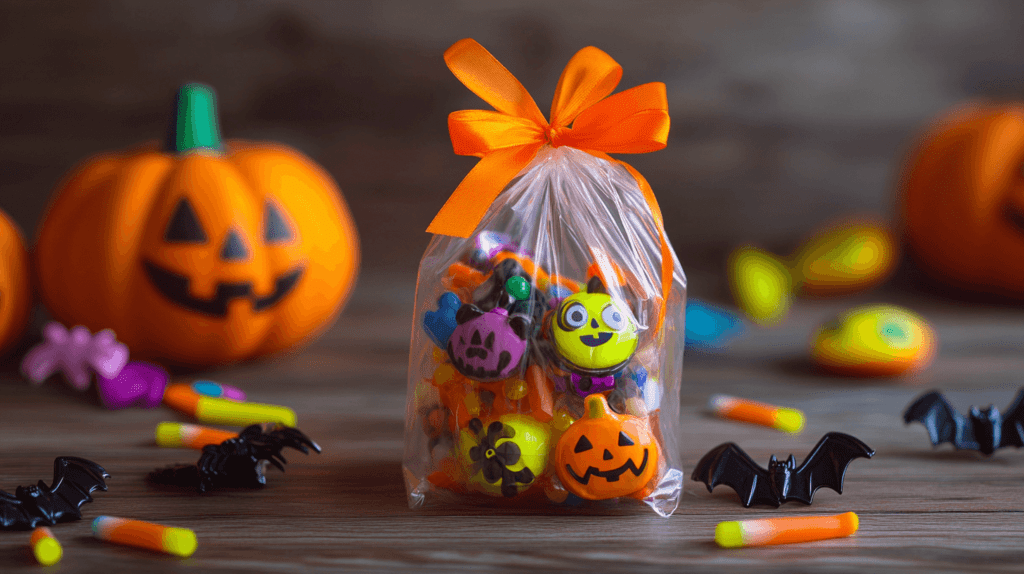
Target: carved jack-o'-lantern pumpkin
[963,199]
[202,252]
[15,284]
[605,454]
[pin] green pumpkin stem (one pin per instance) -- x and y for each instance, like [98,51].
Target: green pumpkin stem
[194,122]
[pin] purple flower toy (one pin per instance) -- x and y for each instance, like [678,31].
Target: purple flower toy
[74,353]
[138,384]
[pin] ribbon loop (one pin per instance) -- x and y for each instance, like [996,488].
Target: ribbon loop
[633,121]
[479,132]
[587,79]
[506,140]
[484,75]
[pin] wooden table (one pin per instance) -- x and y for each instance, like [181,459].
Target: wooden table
[345,510]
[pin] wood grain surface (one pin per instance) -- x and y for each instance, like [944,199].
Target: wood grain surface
[345,510]
[785,114]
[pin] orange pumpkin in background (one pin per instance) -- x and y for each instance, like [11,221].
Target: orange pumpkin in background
[962,197]
[202,251]
[15,284]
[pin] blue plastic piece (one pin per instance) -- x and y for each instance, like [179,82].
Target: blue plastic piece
[710,327]
[639,376]
[218,391]
[208,388]
[440,324]
[556,293]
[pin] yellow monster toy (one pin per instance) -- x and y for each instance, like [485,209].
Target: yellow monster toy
[595,336]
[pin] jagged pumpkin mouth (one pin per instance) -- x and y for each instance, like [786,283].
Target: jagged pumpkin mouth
[175,287]
[611,475]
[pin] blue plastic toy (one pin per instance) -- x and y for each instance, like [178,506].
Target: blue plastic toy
[709,327]
[440,324]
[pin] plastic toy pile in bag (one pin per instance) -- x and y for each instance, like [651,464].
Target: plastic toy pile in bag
[547,343]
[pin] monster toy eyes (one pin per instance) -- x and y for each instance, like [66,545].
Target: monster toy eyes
[592,333]
[575,316]
[612,316]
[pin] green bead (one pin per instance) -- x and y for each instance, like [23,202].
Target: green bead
[518,288]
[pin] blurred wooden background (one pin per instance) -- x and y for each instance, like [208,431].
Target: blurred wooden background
[784,113]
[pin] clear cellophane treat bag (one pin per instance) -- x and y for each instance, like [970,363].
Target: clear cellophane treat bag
[547,340]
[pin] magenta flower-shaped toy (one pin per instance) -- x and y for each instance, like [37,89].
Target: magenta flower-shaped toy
[74,353]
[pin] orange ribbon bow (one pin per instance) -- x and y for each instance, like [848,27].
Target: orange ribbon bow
[507,140]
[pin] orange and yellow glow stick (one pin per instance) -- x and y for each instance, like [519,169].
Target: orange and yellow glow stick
[45,547]
[177,541]
[184,398]
[785,530]
[184,435]
[737,409]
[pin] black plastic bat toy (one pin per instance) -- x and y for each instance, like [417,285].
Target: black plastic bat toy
[74,479]
[783,481]
[237,462]
[983,430]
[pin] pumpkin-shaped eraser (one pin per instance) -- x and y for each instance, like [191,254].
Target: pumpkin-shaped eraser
[875,340]
[606,455]
[201,251]
[15,284]
[761,284]
[962,195]
[846,257]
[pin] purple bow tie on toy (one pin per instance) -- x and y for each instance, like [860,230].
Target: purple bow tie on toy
[74,353]
[584,385]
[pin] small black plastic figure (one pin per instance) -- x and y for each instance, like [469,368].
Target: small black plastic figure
[237,462]
[825,466]
[982,430]
[74,480]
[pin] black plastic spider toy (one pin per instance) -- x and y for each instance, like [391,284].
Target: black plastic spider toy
[237,462]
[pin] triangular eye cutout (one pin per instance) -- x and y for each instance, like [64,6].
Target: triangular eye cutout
[582,445]
[275,228]
[184,226]
[624,439]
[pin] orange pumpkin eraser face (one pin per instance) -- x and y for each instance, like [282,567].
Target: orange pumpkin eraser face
[606,455]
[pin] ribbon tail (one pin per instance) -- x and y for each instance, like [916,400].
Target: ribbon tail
[468,204]
[667,257]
